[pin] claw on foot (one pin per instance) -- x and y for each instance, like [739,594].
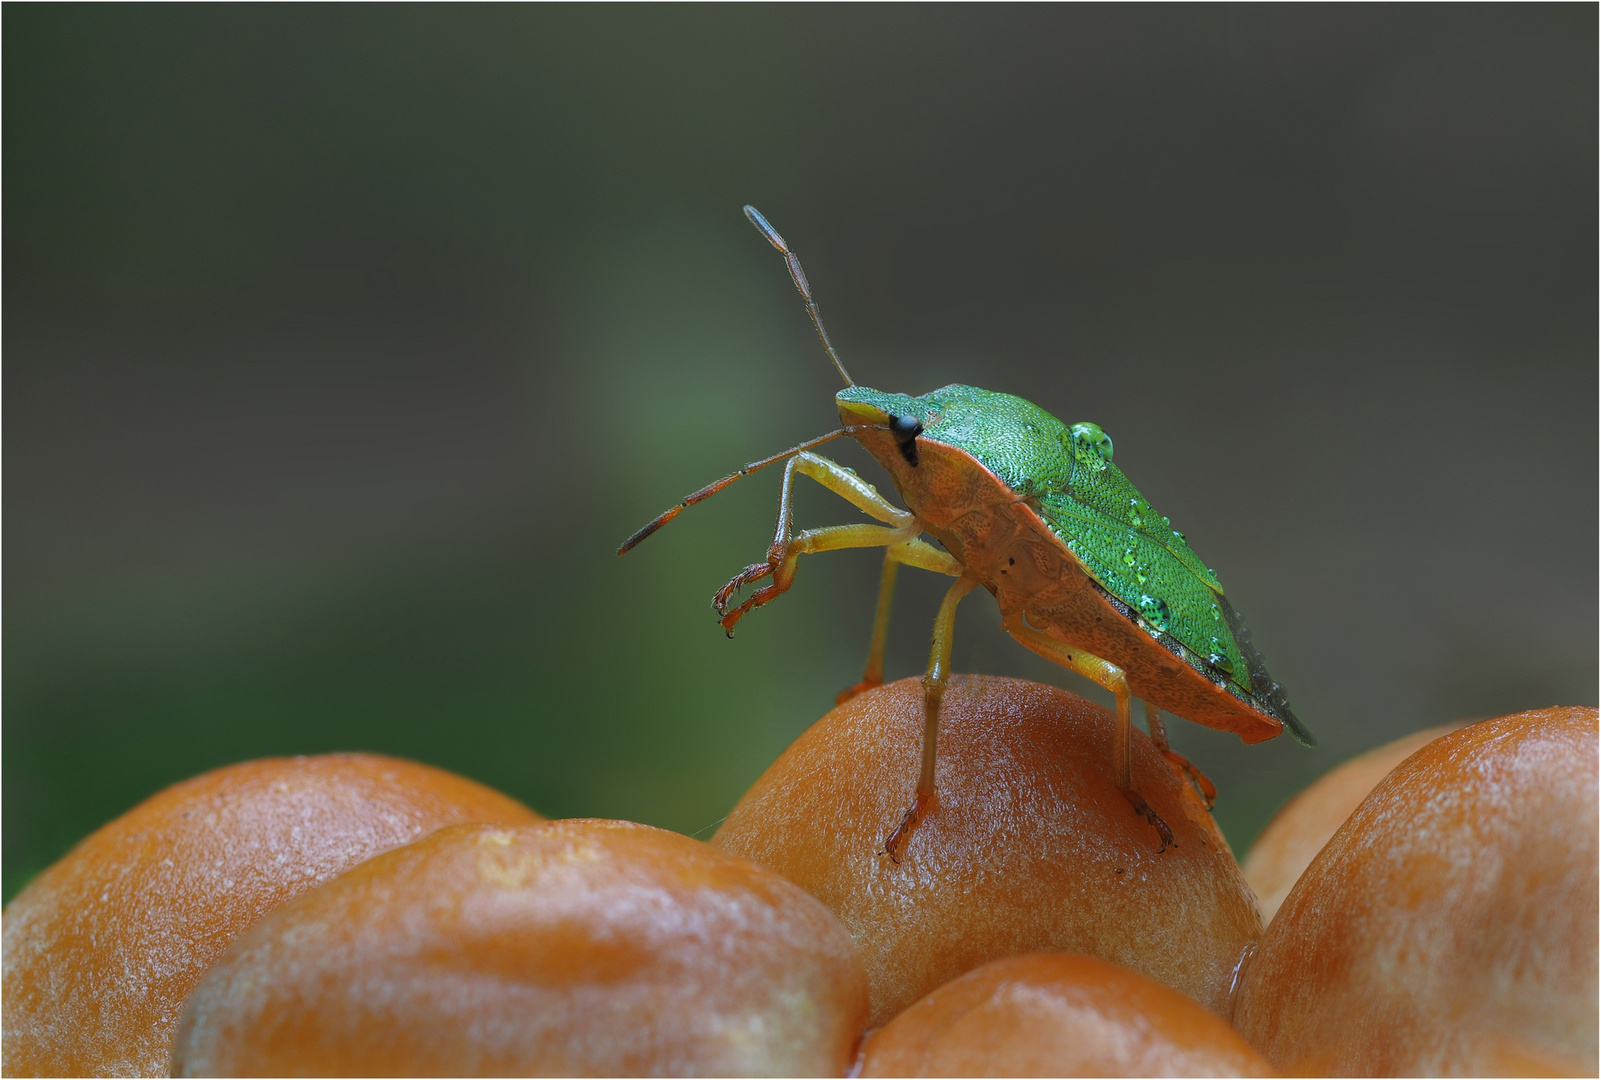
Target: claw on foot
[754,572]
[1143,809]
[740,612]
[1204,787]
[903,832]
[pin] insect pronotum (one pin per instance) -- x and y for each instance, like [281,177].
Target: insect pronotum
[1086,573]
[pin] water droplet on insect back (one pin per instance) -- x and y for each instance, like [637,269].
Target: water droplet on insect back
[1092,447]
[1219,657]
[1155,612]
[1132,562]
[1137,509]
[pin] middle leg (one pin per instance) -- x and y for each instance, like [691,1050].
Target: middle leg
[913,552]
[934,683]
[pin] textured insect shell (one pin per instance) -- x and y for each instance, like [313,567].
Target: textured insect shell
[1042,519]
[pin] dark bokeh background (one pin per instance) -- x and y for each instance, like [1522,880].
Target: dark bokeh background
[342,345]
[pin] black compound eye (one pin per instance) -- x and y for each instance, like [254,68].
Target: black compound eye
[906,429]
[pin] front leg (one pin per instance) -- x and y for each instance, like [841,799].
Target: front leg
[782,562]
[786,549]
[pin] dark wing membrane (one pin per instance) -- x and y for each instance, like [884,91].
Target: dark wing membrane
[1266,692]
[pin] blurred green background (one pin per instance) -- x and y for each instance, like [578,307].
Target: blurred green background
[343,344]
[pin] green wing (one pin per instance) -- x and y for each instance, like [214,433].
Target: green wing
[1134,554]
[1130,550]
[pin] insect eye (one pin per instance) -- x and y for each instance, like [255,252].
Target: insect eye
[905,428]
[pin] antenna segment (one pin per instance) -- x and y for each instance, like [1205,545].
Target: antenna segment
[792,261]
[712,489]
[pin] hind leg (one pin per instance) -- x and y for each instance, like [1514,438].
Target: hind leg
[1109,676]
[1181,765]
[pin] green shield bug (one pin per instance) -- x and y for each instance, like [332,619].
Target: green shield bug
[1086,573]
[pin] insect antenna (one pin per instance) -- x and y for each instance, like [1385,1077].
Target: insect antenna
[712,489]
[792,261]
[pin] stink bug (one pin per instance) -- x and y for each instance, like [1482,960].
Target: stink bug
[1086,573]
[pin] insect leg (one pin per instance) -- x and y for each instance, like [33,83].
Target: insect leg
[873,675]
[919,554]
[850,487]
[1110,677]
[786,549]
[1181,764]
[831,538]
[934,681]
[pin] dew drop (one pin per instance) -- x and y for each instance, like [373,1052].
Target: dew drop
[1092,447]
[1221,662]
[1155,612]
[1128,557]
[1137,509]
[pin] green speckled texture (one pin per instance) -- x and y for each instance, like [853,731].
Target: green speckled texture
[1126,546]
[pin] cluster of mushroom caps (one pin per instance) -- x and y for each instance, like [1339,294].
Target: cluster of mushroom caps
[360,915]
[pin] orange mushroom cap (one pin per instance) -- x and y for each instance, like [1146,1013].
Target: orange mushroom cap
[102,948]
[1450,925]
[1030,846]
[575,948]
[1058,1014]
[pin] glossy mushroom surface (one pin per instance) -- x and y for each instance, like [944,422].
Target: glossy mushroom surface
[1058,1014]
[1030,847]
[1298,831]
[102,948]
[576,948]
[1449,928]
